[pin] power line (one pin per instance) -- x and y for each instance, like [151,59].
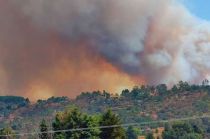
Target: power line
[111,126]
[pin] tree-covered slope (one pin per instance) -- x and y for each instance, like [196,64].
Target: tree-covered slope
[142,103]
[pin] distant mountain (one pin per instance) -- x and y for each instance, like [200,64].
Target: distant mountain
[142,103]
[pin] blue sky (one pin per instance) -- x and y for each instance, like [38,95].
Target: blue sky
[200,8]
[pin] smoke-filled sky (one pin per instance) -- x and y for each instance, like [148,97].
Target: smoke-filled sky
[64,47]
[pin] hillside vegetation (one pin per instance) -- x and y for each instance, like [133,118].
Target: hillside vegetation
[140,104]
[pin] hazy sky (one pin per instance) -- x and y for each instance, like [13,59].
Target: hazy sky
[200,8]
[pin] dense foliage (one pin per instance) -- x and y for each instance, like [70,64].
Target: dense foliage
[111,119]
[133,132]
[140,104]
[44,130]
[183,130]
[150,136]
[74,119]
[11,103]
[6,133]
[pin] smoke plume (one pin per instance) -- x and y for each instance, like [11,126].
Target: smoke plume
[63,47]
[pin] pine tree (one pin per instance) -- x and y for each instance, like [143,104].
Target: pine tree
[74,119]
[43,129]
[109,119]
[132,133]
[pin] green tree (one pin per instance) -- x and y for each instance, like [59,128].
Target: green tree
[6,133]
[205,82]
[192,136]
[183,86]
[139,93]
[149,136]
[182,130]
[110,119]
[43,129]
[74,119]
[60,136]
[174,89]
[125,93]
[132,133]
[162,89]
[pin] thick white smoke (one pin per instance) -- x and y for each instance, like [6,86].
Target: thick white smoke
[158,39]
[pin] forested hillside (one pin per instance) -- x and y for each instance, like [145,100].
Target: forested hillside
[140,104]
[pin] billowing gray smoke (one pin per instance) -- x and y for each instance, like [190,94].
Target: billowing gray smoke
[157,39]
[117,28]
